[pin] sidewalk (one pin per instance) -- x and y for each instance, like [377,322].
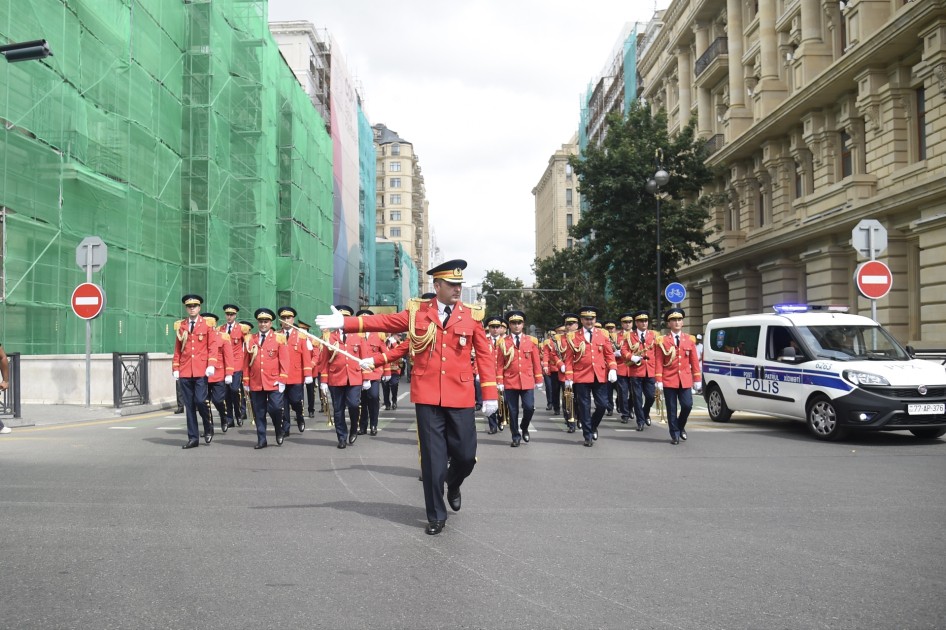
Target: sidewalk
[44,415]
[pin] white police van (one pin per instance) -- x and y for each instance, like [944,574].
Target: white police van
[835,370]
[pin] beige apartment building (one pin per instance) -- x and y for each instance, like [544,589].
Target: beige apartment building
[819,114]
[402,207]
[557,205]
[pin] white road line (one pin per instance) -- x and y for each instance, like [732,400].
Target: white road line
[123,428]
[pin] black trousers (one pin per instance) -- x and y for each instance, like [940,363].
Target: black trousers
[444,432]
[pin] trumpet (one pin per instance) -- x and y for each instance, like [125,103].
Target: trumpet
[326,406]
[569,397]
[502,412]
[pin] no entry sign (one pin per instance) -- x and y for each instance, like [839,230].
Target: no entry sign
[873,279]
[88,300]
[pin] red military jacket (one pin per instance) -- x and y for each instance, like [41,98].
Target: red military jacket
[555,353]
[631,345]
[518,368]
[443,371]
[224,358]
[238,335]
[300,356]
[677,366]
[376,345]
[265,365]
[586,362]
[194,350]
[335,368]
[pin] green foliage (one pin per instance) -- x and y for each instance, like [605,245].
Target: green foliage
[501,291]
[564,270]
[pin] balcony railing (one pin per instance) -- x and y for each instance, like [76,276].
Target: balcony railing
[717,48]
[715,143]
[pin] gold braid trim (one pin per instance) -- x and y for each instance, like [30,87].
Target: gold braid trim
[508,352]
[670,353]
[326,336]
[419,343]
[580,348]
[253,350]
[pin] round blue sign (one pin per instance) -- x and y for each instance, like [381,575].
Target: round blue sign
[675,293]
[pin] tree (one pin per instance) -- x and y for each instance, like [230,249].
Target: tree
[500,292]
[565,270]
[620,223]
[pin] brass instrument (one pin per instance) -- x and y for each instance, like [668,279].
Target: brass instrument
[569,396]
[502,412]
[659,405]
[326,406]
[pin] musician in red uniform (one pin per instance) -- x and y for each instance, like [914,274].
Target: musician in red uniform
[678,370]
[625,394]
[371,396]
[494,327]
[237,332]
[442,332]
[518,375]
[300,369]
[342,378]
[195,358]
[219,383]
[265,370]
[589,367]
[392,376]
[561,343]
[314,364]
[641,355]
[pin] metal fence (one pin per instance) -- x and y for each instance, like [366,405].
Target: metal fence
[130,379]
[10,397]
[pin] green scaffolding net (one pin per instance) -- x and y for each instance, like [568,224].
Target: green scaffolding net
[176,133]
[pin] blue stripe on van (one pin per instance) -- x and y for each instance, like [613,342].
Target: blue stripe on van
[817,378]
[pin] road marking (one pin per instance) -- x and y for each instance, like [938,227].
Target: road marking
[91,423]
[123,428]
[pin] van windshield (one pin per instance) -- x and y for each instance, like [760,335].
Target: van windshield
[851,343]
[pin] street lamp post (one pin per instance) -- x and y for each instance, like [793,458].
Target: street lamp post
[660,178]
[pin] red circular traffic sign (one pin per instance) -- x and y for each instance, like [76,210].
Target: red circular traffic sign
[873,279]
[88,300]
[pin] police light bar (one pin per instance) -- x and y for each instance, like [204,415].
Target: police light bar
[787,308]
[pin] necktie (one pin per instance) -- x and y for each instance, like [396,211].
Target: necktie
[517,341]
[229,328]
[588,335]
[343,336]
[447,318]
[262,338]
[192,326]
[643,336]
[676,338]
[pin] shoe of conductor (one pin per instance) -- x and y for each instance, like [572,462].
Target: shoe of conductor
[453,498]
[434,527]
[191,444]
[259,445]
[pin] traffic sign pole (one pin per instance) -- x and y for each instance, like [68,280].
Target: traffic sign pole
[88,335]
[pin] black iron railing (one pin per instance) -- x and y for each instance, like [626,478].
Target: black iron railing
[10,397]
[130,379]
[719,47]
[715,143]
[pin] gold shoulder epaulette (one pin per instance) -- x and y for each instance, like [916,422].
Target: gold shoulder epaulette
[246,329]
[660,339]
[281,339]
[692,338]
[224,336]
[478,312]
[383,336]
[414,304]
[535,340]
[177,324]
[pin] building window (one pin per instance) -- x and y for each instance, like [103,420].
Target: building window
[847,163]
[568,197]
[396,199]
[761,207]
[396,232]
[395,149]
[395,166]
[395,182]
[570,243]
[569,220]
[568,171]
[799,191]
[921,124]
[395,215]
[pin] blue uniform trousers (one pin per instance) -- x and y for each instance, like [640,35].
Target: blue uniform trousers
[370,406]
[584,393]
[683,396]
[345,397]
[292,401]
[512,398]
[263,403]
[194,398]
[643,397]
[444,433]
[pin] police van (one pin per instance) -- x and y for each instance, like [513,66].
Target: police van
[835,370]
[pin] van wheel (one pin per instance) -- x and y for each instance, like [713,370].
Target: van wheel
[823,419]
[929,434]
[716,405]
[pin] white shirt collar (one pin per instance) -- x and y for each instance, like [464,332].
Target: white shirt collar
[441,307]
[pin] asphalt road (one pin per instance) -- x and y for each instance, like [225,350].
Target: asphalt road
[752,524]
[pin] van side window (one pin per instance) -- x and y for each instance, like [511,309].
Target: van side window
[735,340]
[779,338]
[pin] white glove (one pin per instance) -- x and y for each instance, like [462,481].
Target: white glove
[697,387]
[490,407]
[308,380]
[210,370]
[568,383]
[562,368]
[660,386]
[612,376]
[280,386]
[635,359]
[617,352]
[366,365]
[335,320]
[385,378]
[324,388]
[476,378]
[538,385]
[308,344]
[176,375]
[366,385]
[500,387]
[228,379]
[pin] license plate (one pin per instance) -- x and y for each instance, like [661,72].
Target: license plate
[926,409]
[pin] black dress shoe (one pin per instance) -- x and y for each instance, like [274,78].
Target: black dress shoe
[594,436]
[387,406]
[208,437]
[571,428]
[674,441]
[640,427]
[393,405]
[260,445]
[301,424]
[491,431]
[352,437]
[525,435]
[453,498]
[341,444]
[624,420]
[362,431]
[434,527]
[178,410]
[191,444]
[548,407]
[589,443]
[683,435]
[279,439]
[647,421]
[502,426]
[374,431]
[479,407]
[608,413]
[239,422]
[515,442]
[311,413]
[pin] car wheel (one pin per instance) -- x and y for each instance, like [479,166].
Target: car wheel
[823,419]
[716,405]
[929,434]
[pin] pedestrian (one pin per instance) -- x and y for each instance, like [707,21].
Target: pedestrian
[678,370]
[265,371]
[195,359]
[518,375]
[589,367]
[4,381]
[442,333]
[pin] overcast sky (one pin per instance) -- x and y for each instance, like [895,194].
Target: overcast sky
[486,91]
